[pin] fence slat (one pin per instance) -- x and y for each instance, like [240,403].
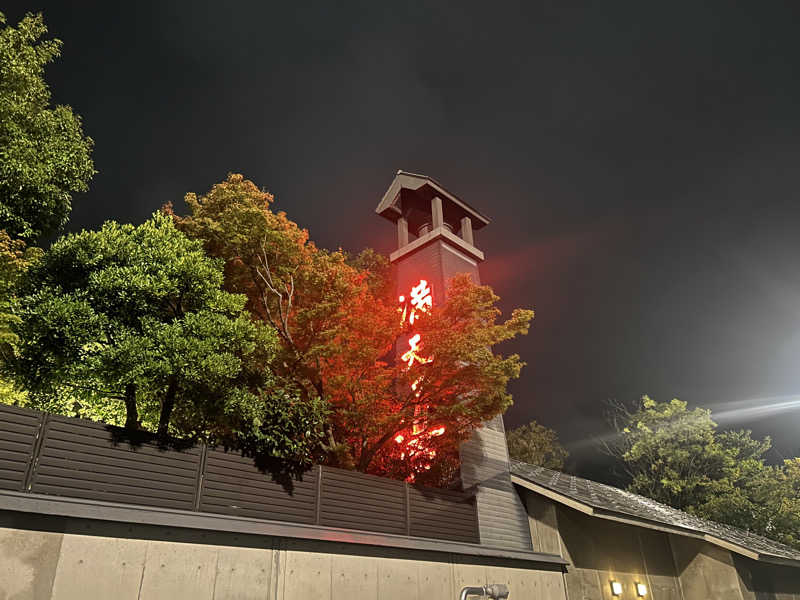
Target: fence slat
[357,501]
[256,495]
[83,459]
[443,514]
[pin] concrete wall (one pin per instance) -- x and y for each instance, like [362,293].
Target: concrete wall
[603,551]
[673,567]
[705,570]
[64,559]
[708,571]
[759,581]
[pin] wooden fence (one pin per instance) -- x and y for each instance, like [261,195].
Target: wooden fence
[49,454]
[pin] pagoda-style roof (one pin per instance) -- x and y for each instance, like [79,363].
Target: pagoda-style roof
[411,192]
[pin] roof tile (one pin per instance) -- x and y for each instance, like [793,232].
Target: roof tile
[607,498]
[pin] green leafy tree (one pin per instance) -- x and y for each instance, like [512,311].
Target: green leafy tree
[536,444]
[337,321]
[44,156]
[136,317]
[756,496]
[676,456]
[15,258]
[44,159]
[669,452]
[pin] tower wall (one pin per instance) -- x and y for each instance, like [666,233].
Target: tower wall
[436,262]
[502,519]
[436,256]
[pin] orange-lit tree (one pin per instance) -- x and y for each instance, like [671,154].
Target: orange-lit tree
[339,323]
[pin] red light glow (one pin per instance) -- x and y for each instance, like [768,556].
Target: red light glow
[421,299]
[412,354]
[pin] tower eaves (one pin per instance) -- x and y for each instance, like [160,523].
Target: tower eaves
[422,185]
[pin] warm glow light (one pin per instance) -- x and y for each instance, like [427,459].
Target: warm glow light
[412,354]
[421,299]
[616,588]
[641,590]
[421,296]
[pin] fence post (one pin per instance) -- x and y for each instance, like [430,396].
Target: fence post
[36,450]
[318,508]
[201,475]
[408,508]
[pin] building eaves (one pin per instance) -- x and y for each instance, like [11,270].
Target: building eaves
[608,502]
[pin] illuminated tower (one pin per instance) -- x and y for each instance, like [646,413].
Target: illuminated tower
[434,242]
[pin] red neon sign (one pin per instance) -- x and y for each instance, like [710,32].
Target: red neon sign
[413,354]
[421,301]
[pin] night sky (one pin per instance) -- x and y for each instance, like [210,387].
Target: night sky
[639,161]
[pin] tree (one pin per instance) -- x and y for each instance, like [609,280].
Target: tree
[15,259]
[137,315]
[302,292]
[537,445]
[755,496]
[677,456]
[669,452]
[338,323]
[397,419]
[44,156]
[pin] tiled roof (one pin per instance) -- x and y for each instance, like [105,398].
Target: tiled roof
[607,499]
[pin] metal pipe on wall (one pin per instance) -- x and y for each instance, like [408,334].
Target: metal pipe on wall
[496,591]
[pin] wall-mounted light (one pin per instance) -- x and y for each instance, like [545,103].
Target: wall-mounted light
[616,588]
[641,590]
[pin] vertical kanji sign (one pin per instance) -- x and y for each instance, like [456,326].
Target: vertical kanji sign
[419,301]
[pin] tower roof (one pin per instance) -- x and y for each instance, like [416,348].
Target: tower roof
[409,187]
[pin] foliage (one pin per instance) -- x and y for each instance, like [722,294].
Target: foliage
[299,290]
[536,444]
[677,456]
[670,452]
[44,156]
[758,497]
[137,314]
[337,321]
[10,394]
[15,258]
